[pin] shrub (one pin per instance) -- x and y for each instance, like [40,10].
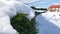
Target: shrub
[23,25]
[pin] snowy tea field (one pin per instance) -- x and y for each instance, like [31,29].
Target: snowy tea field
[46,23]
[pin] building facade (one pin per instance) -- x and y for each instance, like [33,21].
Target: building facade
[54,8]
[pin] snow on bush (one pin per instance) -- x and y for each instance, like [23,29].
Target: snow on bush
[8,9]
[13,7]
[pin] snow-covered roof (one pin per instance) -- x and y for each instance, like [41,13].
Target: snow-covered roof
[54,6]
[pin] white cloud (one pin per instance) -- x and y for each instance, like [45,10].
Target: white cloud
[27,1]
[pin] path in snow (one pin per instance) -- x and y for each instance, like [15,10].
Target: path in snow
[47,24]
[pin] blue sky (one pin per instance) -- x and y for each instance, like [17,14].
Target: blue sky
[44,3]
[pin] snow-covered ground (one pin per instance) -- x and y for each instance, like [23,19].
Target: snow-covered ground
[40,10]
[48,23]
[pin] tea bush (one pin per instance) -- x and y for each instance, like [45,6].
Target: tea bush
[23,25]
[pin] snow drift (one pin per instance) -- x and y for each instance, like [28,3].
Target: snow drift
[5,27]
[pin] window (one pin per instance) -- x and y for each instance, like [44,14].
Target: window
[59,9]
[53,9]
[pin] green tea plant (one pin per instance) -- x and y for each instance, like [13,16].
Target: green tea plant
[23,25]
